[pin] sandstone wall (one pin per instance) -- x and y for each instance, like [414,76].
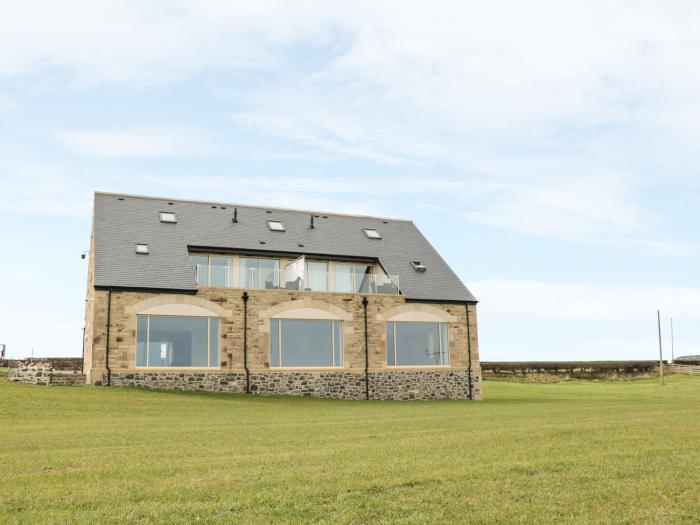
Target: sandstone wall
[324,382]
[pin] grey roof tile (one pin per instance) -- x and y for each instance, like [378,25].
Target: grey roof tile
[121,221]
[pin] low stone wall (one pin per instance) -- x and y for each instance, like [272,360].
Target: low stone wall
[390,384]
[192,381]
[42,372]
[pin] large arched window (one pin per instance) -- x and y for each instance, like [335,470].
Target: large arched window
[177,332]
[417,336]
[306,334]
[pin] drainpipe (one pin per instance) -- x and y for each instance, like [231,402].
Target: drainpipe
[364,304]
[469,353]
[245,298]
[109,323]
[82,364]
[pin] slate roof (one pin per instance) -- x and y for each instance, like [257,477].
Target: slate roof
[121,221]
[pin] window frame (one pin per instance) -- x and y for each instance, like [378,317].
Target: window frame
[444,356]
[334,366]
[328,274]
[259,273]
[148,344]
[231,273]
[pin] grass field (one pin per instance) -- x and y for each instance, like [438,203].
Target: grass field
[585,452]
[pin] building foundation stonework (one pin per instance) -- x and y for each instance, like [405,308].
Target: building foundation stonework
[388,385]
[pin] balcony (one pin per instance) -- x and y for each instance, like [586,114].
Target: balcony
[299,274]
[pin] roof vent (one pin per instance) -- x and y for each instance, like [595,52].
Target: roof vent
[275,226]
[371,233]
[167,216]
[235,215]
[418,266]
[142,248]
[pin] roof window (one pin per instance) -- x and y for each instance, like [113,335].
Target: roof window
[167,216]
[371,233]
[275,226]
[142,248]
[418,266]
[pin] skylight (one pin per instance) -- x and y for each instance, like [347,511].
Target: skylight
[419,266]
[141,248]
[167,216]
[371,233]
[275,226]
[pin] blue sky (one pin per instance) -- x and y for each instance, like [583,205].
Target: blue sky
[548,151]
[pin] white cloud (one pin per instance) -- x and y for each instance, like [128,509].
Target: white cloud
[137,142]
[553,300]
[520,97]
[535,320]
[44,189]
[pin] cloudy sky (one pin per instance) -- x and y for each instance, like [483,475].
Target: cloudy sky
[549,150]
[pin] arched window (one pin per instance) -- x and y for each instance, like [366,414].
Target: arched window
[177,332]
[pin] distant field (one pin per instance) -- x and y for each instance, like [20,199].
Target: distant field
[3,372]
[584,452]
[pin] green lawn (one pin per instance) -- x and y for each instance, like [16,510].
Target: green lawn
[584,452]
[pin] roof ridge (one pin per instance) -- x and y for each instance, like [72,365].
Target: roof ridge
[193,201]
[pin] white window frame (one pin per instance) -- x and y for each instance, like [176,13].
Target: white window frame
[444,356]
[148,344]
[277,321]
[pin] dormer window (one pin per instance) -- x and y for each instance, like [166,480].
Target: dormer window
[142,248]
[371,233]
[275,226]
[167,216]
[418,266]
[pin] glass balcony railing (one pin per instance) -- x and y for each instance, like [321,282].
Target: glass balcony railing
[373,283]
[313,276]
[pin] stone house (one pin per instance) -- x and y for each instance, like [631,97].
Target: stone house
[222,297]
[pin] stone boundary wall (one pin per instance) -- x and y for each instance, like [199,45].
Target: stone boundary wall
[388,385]
[543,370]
[42,372]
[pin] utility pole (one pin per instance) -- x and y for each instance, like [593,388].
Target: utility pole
[661,358]
[672,340]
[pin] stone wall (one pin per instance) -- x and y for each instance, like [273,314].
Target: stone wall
[46,373]
[331,383]
[384,384]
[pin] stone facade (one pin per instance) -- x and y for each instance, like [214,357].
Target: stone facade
[388,384]
[45,373]
[347,382]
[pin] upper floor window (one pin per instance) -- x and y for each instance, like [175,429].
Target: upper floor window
[306,343]
[316,278]
[177,341]
[352,277]
[213,270]
[416,344]
[259,273]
